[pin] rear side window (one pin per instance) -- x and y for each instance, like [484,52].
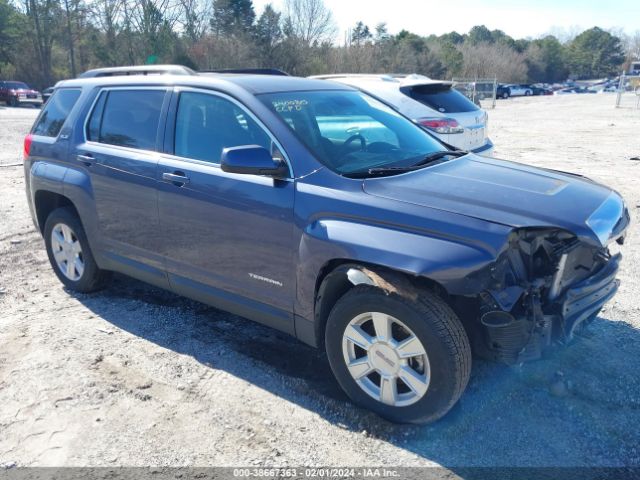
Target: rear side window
[55,112]
[128,118]
[441,98]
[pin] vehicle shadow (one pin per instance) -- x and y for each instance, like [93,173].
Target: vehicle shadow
[579,406]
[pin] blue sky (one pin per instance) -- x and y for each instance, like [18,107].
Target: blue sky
[517,18]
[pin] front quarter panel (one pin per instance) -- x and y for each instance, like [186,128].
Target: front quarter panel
[339,222]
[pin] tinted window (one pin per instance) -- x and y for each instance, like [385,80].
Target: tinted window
[441,98]
[350,131]
[128,118]
[206,124]
[55,112]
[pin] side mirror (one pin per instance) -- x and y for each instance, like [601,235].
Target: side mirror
[252,160]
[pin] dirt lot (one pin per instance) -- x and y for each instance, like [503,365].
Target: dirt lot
[137,376]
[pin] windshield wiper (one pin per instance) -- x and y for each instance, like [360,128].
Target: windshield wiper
[430,159]
[434,156]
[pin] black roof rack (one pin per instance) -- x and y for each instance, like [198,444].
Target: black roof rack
[138,70]
[250,71]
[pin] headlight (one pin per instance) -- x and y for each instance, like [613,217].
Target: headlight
[605,218]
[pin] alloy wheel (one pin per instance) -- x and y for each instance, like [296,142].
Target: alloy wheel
[67,251]
[386,359]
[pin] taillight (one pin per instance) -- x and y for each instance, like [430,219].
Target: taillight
[441,125]
[27,146]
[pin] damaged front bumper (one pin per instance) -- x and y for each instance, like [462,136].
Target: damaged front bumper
[518,323]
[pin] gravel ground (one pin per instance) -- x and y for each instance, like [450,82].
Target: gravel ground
[136,376]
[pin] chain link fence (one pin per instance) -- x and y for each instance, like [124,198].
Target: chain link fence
[628,93]
[481,91]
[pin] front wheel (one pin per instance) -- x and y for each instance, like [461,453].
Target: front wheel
[407,360]
[69,253]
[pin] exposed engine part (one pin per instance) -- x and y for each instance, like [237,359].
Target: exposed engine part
[556,283]
[545,286]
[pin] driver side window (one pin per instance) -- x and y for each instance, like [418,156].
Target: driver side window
[206,124]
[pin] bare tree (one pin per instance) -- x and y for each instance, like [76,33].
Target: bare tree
[43,17]
[154,22]
[493,60]
[107,16]
[72,56]
[309,21]
[194,16]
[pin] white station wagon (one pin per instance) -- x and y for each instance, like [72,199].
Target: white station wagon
[434,104]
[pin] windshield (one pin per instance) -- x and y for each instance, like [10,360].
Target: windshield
[351,131]
[17,86]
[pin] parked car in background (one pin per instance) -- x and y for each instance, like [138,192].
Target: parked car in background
[573,90]
[519,90]
[46,94]
[435,105]
[541,90]
[393,253]
[502,91]
[16,94]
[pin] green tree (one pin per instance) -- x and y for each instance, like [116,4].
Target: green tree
[451,58]
[547,60]
[268,35]
[360,34]
[480,34]
[382,33]
[232,17]
[9,33]
[452,37]
[595,53]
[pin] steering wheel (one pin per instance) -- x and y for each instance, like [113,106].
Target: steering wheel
[344,147]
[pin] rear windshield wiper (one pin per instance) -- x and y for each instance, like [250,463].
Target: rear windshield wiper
[430,159]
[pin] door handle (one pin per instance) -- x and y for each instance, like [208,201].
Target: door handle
[177,178]
[88,160]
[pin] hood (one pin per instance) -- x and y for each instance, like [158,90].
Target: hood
[508,193]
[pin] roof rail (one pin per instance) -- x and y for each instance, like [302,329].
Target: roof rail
[386,77]
[250,71]
[138,70]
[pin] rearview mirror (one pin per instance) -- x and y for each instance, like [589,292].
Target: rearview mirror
[252,160]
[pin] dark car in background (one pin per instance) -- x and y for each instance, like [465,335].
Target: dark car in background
[318,210]
[502,91]
[46,94]
[540,90]
[16,94]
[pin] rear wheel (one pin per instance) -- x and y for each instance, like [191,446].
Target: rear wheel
[505,95]
[407,360]
[69,253]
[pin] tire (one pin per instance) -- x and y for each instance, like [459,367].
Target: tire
[505,95]
[527,93]
[446,365]
[13,101]
[87,279]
